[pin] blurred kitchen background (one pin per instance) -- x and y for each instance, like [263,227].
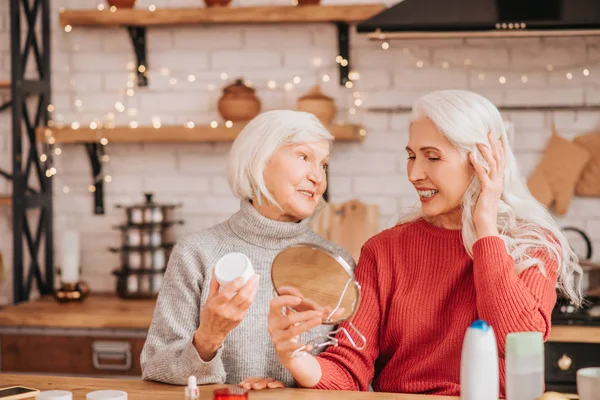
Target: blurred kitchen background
[544,85]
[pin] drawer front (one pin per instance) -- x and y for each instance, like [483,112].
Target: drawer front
[564,359]
[82,355]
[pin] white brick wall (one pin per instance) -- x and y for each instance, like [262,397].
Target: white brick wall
[93,65]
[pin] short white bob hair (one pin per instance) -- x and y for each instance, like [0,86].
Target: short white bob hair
[260,139]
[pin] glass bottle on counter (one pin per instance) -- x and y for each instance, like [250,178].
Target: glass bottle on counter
[191,390]
[524,365]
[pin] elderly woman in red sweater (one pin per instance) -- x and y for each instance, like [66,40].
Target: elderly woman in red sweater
[481,247]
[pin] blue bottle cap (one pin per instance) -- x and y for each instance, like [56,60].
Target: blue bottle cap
[481,325]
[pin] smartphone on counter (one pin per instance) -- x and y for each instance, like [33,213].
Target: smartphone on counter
[17,392]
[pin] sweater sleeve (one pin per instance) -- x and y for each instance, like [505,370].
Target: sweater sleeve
[508,301]
[169,355]
[344,367]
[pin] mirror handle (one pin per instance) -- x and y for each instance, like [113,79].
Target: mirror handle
[360,336]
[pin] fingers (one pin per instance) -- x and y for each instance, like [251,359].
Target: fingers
[289,290]
[480,170]
[231,288]
[287,321]
[335,315]
[308,304]
[287,349]
[496,146]
[259,383]
[486,152]
[244,298]
[292,332]
[262,384]
[278,303]
[214,288]
[502,158]
[251,380]
[275,385]
[248,382]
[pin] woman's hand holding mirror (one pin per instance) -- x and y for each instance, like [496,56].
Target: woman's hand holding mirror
[285,327]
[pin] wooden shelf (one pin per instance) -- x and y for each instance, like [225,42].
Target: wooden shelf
[172,134]
[5,200]
[137,20]
[221,15]
[4,84]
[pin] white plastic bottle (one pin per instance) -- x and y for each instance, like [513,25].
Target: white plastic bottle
[191,390]
[479,375]
[524,365]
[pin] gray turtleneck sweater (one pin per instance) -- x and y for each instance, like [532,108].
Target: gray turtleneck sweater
[168,354]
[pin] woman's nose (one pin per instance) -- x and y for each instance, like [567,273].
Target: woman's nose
[416,172]
[316,176]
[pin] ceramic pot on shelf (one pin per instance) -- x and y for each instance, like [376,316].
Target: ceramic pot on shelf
[319,104]
[238,102]
[217,3]
[308,2]
[122,3]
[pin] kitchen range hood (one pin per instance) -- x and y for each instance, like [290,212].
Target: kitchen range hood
[484,18]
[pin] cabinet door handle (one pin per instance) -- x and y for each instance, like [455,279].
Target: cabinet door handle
[564,363]
[112,351]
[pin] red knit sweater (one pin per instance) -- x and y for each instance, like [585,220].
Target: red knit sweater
[420,292]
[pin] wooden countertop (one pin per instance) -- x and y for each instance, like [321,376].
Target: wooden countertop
[575,334]
[112,312]
[141,390]
[96,311]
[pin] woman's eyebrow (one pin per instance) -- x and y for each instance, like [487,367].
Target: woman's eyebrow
[426,148]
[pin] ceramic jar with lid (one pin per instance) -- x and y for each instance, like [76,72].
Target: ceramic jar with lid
[238,102]
[319,104]
[217,3]
[121,3]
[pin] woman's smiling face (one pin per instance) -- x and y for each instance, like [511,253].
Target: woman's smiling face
[438,172]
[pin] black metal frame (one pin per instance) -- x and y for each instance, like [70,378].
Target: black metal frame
[25,198]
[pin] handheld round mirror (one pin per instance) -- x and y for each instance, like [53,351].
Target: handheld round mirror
[322,279]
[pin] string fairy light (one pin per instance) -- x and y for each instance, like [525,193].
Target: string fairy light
[129,91]
[568,72]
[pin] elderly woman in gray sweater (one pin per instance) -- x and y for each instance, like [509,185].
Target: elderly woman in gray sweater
[277,168]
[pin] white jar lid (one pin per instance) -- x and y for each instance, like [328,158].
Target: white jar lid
[106,395]
[232,265]
[54,395]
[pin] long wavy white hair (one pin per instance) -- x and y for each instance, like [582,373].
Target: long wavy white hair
[525,226]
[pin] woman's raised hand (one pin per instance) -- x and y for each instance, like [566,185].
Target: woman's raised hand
[286,326]
[222,313]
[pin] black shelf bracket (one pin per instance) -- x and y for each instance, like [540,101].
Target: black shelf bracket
[95,151]
[6,105]
[343,30]
[138,39]
[9,177]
